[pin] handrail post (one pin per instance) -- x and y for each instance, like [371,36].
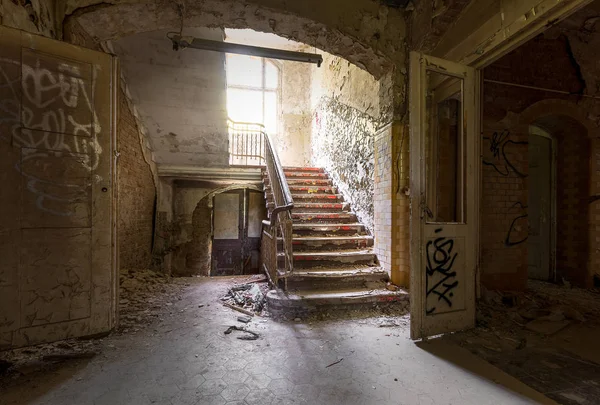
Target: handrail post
[248,137]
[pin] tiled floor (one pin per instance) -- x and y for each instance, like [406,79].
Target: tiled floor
[187,359]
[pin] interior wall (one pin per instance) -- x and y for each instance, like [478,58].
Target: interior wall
[137,193]
[181,97]
[136,174]
[35,16]
[507,113]
[293,141]
[345,105]
[191,231]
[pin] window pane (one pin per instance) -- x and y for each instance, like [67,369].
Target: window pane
[271,112]
[245,105]
[445,149]
[272,75]
[243,70]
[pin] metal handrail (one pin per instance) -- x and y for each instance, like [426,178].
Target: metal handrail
[280,218]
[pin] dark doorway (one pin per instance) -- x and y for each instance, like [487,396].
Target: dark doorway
[237,221]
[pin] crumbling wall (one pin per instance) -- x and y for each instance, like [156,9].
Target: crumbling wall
[546,62]
[137,194]
[136,173]
[181,97]
[35,16]
[293,140]
[345,103]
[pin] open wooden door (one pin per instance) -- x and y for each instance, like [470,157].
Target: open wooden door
[57,227]
[444,163]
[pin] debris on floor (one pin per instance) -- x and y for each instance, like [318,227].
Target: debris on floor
[250,335]
[144,295]
[244,319]
[531,333]
[248,298]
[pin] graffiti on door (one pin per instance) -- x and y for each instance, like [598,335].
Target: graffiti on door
[440,280]
[47,110]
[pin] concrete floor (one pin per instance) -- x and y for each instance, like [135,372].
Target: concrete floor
[187,359]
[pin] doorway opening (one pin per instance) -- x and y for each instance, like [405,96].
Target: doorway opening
[541,212]
[237,224]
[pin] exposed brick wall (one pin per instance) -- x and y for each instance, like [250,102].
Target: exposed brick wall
[508,111]
[136,189]
[572,204]
[137,194]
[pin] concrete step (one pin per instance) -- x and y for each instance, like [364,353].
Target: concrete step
[333,217]
[316,207]
[320,207]
[304,260]
[304,182]
[306,189]
[305,175]
[314,198]
[308,243]
[299,304]
[300,175]
[338,229]
[336,278]
[303,169]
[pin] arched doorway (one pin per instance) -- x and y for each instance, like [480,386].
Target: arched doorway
[559,223]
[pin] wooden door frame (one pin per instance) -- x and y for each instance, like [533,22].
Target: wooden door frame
[477,53]
[553,201]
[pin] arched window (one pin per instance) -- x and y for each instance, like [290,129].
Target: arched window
[253,90]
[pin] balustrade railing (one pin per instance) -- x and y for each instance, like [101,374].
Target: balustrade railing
[251,145]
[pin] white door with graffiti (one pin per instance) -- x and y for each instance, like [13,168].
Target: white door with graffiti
[57,226]
[444,154]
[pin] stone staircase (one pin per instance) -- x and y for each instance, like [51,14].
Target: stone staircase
[334,263]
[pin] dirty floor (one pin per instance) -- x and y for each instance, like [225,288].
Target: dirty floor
[547,337]
[182,356]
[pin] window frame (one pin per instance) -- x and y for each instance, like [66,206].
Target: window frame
[263,89]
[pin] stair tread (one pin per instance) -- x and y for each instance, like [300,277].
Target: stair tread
[337,253]
[338,272]
[335,293]
[350,225]
[332,238]
[316,214]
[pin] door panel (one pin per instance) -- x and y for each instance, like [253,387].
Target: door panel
[58,269]
[444,150]
[228,226]
[237,227]
[539,210]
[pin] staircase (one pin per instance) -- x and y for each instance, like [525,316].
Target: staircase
[333,260]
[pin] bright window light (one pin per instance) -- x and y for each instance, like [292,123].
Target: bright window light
[253,90]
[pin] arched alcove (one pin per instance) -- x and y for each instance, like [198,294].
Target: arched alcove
[194,256]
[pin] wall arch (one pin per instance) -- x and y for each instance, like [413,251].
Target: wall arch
[364,32]
[364,41]
[576,207]
[194,256]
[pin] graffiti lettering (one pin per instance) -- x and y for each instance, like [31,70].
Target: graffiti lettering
[50,115]
[519,221]
[501,163]
[440,280]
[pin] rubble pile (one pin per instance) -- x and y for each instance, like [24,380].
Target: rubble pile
[144,294]
[248,296]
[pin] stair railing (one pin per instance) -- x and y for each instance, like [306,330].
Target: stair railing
[251,145]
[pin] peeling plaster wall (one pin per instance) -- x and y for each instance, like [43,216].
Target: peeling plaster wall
[191,235]
[35,16]
[181,97]
[293,139]
[345,103]
[368,34]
